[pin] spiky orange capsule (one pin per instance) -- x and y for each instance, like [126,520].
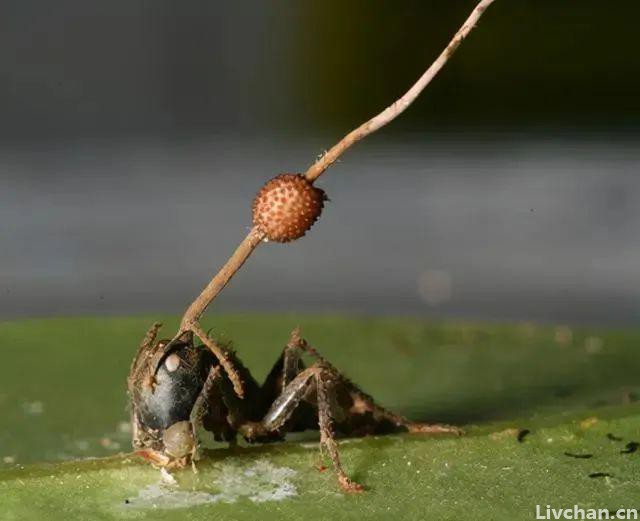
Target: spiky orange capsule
[287,206]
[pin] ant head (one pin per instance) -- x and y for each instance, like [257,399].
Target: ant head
[165,381]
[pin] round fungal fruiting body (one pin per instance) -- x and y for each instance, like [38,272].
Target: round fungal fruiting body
[286,207]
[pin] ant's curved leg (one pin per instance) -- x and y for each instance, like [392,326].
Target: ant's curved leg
[363,414]
[146,349]
[210,410]
[313,384]
[288,365]
[321,397]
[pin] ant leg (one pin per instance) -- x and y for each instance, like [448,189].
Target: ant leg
[327,436]
[300,390]
[271,423]
[202,407]
[364,415]
[288,365]
[237,373]
[283,407]
[363,403]
[146,349]
[147,342]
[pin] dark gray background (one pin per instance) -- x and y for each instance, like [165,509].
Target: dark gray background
[134,134]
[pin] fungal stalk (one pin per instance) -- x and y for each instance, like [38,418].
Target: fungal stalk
[286,208]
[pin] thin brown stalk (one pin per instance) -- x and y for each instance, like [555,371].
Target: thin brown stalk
[222,278]
[255,236]
[400,105]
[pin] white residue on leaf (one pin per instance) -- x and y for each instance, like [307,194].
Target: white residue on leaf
[34,408]
[167,478]
[159,495]
[262,481]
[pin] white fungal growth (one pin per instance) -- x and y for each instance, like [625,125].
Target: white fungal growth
[161,496]
[260,482]
[166,477]
[172,362]
[34,408]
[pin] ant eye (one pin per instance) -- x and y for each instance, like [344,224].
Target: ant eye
[172,362]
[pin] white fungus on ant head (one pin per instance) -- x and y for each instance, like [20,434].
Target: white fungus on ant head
[172,362]
[287,206]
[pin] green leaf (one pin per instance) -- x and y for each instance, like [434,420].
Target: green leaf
[63,400]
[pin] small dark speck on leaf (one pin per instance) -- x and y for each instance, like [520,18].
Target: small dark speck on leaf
[612,437]
[522,434]
[630,447]
[600,475]
[578,456]
[126,501]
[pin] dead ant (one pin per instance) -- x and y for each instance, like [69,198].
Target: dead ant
[175,386]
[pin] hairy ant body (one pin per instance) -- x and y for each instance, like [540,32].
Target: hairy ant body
[175,386]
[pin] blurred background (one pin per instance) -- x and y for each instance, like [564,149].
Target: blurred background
[134,134]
